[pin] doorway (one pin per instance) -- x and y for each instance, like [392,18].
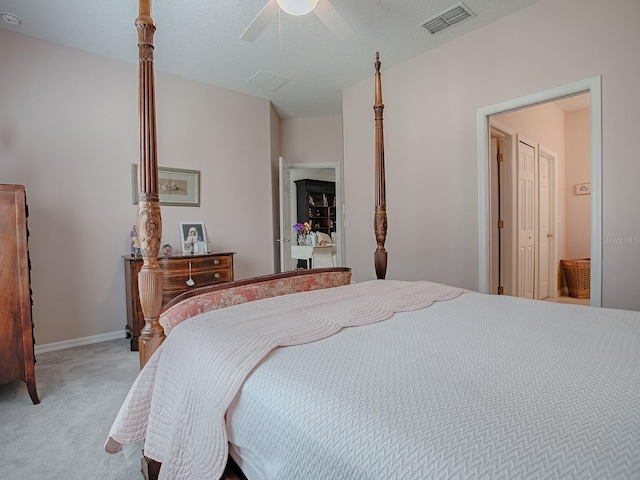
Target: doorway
[524,216]
[289,173]
[591,86]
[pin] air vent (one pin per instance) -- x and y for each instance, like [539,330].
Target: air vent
[268,81]
[449,18]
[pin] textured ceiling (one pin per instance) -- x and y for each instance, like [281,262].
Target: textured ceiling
[200,40]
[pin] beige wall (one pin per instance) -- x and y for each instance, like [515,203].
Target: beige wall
[578,207]
[430,136]
[68,131]
[311,140]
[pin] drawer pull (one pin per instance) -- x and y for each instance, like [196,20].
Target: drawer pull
[216,261]
[190,281]
[217,275]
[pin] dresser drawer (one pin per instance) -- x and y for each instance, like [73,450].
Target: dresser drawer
[206,269]
[174,285]
[203,271]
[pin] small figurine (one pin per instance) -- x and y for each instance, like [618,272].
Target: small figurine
[135,242]
[167,250]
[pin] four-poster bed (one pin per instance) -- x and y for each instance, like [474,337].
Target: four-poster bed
[149,217]
[431,382]
[380,215]
[149,214]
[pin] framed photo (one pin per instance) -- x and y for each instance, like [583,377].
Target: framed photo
[191,234]
[582,189]
[176,186]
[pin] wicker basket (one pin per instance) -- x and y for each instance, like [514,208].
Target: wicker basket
[578,276]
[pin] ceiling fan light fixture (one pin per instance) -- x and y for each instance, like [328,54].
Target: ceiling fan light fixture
[297,7]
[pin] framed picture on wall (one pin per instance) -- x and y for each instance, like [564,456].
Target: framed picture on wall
[176,186]
[191,234]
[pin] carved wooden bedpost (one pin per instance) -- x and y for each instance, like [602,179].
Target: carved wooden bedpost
[149,218]
[380,216]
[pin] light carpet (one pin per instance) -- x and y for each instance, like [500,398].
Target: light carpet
[81,390]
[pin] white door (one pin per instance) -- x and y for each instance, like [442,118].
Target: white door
[284,184]
[544,229]
[526,215]
[553,218]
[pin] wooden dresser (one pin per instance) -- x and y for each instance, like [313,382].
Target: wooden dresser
[206,269]
[17,359]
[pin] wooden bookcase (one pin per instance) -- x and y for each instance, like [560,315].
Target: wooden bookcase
[316,204]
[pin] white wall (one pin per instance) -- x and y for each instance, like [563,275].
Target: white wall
[430,137]
[69,133]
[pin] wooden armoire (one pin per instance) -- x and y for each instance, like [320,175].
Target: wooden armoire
[17,358]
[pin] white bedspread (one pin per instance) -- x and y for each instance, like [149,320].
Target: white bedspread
[479,387]
[180,415]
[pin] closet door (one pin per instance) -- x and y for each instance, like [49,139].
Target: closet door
[526,218]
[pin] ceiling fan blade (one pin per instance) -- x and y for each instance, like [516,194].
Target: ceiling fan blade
[255,28]
[333,20]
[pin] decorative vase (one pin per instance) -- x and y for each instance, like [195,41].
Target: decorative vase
[302,239]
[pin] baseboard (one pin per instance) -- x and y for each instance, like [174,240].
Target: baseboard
[77,342]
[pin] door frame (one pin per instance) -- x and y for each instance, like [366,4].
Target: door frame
[507,137]
[284,217]
[337,169]
[593,86]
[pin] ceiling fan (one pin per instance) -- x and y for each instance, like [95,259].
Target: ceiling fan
[322,8]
